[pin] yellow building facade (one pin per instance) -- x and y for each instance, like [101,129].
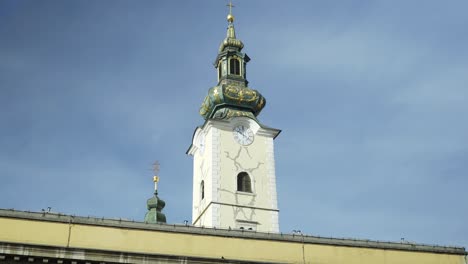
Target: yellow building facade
[27,237]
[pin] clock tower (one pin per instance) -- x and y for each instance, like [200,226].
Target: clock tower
[234,181]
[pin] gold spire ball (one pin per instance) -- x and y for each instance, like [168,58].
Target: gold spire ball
[230,18]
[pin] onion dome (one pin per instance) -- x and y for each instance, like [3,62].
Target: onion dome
[155,206]
[230,40]
[231,97]
[229,100]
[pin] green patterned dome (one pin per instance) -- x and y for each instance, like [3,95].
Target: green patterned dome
[232,99]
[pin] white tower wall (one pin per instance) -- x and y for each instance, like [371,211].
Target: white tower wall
[219,164]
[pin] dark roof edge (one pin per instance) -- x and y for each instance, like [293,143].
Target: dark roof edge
[187,229]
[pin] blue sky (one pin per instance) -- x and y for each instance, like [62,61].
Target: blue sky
[371,96]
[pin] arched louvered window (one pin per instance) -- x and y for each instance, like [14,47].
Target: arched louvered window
[234,66]
[243,182]
[202,190]
[220,71]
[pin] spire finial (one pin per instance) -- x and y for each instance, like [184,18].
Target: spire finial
[156,177]
[230,17]
[155,180]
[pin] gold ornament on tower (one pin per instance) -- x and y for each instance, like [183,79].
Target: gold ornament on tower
[230,17]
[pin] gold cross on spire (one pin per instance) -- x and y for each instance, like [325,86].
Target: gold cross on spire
[230,17]
[156,167]
[230,6]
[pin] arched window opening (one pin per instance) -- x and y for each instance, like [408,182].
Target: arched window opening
[202,189]
[234,66]
[243,182]
[220,71]
[245,70]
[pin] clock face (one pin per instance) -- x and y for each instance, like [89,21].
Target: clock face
[243,135]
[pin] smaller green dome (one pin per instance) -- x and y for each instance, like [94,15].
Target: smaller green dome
[155,206]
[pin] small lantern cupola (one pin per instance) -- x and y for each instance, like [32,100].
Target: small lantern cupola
[231,62]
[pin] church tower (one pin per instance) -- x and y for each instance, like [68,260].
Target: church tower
[234,181]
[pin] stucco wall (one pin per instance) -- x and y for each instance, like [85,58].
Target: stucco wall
[120,239]
[220,163]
